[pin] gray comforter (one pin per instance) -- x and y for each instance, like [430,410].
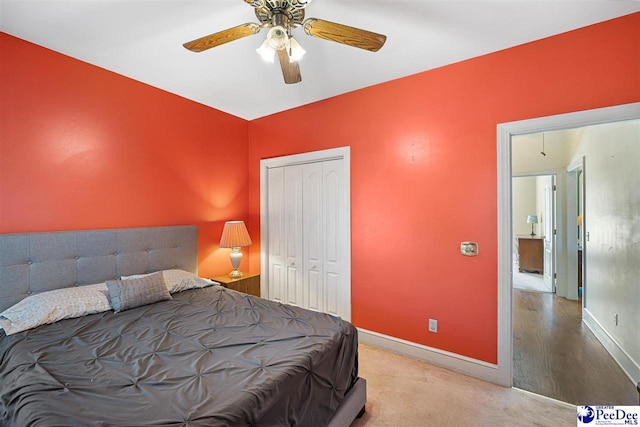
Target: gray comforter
[209,357]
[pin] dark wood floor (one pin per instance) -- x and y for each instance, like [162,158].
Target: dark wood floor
[556,355]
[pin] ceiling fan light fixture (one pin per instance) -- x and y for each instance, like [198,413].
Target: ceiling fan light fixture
[266,52]
[277,37]
[296,52]
[280,17]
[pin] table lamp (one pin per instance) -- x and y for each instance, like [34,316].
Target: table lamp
[235,236]
[532,219]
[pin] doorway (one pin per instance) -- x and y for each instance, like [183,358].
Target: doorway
[505,237]
[534,231]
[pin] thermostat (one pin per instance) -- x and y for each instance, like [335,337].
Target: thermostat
[469,248]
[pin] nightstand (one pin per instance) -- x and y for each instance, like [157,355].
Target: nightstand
[248,283]
[530,254]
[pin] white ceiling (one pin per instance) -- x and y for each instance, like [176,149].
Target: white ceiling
[142,39]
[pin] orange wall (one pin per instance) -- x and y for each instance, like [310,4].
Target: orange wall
[81,147]
[423,173]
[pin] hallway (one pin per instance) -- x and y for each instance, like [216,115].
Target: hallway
[556,355]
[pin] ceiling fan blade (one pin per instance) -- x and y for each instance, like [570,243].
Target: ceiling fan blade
[290,70]
[344,34]
[222,37]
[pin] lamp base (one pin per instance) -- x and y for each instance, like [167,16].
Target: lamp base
[533,233]
[235,274]
[236,257]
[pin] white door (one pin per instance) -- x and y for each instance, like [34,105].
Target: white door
[276,273]
[293,197]
[305,226]
[313,237]
[549,235]
[337,290]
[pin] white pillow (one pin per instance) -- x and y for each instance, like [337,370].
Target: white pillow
[51,306]
[178,280]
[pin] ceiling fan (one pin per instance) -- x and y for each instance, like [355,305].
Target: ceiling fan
[281,16]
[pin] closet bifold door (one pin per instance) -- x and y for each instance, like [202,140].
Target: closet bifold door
[307,229]
[336,292]
[293,233]
[312,213]
[277,255]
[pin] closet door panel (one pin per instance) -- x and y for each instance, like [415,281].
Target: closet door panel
[315,291]
[293,196]
[335,233]
[332,291]
[313,236]
[277,266]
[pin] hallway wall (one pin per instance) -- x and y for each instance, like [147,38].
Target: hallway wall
[612,219]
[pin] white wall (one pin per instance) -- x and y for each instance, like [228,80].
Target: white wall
[559,147]
[528,199]
[612,219]
[524,204]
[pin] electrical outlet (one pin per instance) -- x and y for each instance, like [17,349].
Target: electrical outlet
[433,325]
[615,319]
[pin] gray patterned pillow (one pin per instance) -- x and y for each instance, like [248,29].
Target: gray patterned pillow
[51,306]
[127,294]
[178,280]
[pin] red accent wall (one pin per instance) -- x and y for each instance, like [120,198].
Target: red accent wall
[423,173]
[82,147]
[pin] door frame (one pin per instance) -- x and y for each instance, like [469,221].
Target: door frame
[550,219]
[505,131]
[343,153]
[572,212]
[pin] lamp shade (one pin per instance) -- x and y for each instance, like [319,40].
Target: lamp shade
[266,52]
[235,235]
[532,219]
[296,52]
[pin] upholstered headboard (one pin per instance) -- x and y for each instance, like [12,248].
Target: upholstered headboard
[37,262]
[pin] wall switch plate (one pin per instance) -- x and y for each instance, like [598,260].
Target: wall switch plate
[433,325]
[469,248]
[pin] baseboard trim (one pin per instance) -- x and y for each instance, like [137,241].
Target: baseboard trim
[551,399]
[628,365]
[445,359]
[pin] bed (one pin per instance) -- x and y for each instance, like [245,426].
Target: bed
[201,355]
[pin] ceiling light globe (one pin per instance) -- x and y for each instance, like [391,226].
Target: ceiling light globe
[277,37]
[266,52]
[296,52]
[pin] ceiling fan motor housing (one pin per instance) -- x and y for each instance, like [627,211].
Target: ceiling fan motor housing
[270,12]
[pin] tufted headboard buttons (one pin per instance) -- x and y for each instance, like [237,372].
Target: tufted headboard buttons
[38,262]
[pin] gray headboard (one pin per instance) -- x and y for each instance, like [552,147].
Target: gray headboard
[37,262]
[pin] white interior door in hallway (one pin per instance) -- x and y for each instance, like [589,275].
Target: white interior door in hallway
[307,233]
[549,234]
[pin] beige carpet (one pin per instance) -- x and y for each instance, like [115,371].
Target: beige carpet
[402,391]
[529,281]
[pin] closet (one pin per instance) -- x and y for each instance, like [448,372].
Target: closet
[306,207]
